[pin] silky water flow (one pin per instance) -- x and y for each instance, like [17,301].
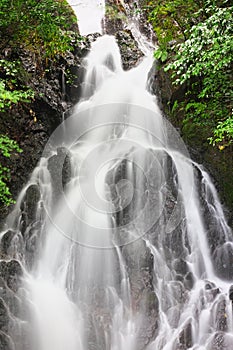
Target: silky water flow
[131,249]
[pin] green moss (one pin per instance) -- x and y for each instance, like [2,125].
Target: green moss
[113,13]
[43,27]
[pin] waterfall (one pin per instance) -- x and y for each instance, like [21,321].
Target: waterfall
[128,248]
[91,9]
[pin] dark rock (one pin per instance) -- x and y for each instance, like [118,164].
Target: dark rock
[60,170]
[209,285]
[222,260]
[221,316]
[221,341]
[5,242]
[29,205]
[115,17]
[231,293]
[11,272]
[174,242]
[211,291]
[137,254]
[3,316]
[115,24]
[185,340]
[57,88]
[130,53]
[180,266]
[144,298]
[219,165]
[189,280]
[149,328]
[9,297]
[216,231]
[6,342]
[212,295]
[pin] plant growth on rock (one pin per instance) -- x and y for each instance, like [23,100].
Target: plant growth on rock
[7,146]
[35,36]
[196,39]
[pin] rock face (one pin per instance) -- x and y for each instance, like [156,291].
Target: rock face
[130,53]
[57,89]
[219,163]
[56,92]
[116,23]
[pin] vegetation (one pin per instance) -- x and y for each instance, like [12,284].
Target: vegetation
[113,13]
[42,27]
[38,25]
[171,20]
[10,92]
[196,45]
[7,146]
[44,30]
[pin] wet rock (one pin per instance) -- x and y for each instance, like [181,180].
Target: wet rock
[6,342]
[139,262]
[221,316]
[173,314]
[3,316]
[211,291]
[60,170]
[200,150]
[115,17]
[29,206]
[185,340]
[130,53]
[180,266]
[9,297]
[149,328]
[216,232]
[189,280]
[137,254]
[209,285]
[57,87]
[221,341]
[115,24]
[222,260]
[11,272]
[150,303]
[5,242]
[178,291]
[174,242]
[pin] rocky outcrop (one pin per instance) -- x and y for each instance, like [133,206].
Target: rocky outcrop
[116,23]
[130,52]
[57,86]
[218,163]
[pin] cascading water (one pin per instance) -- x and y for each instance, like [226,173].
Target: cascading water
[131,251]
[91,9]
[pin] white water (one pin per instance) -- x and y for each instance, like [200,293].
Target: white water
[131,215]
[90,14]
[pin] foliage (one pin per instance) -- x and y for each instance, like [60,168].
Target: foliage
[40,25]
[113,12]
[204,61]
[170,19]
[208,49]
[45,29]
[223,131]
[197,40]
[7,146]
[10,93]
[161,54]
